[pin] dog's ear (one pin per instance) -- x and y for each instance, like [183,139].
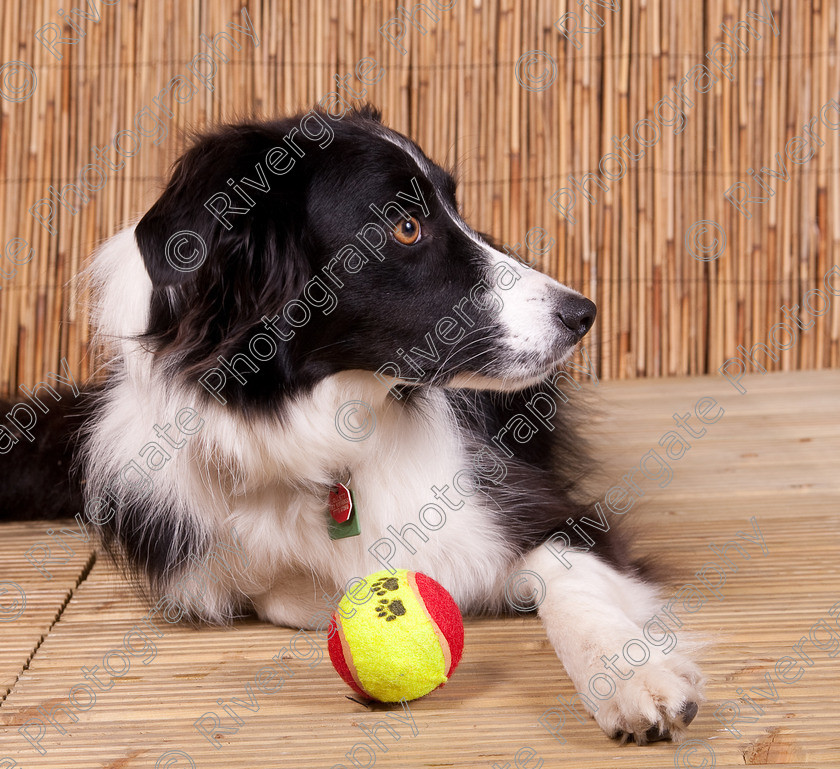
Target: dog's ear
[162,232]
[199,218]
[223,245]
[222,212]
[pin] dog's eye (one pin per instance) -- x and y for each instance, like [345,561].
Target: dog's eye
[407,231]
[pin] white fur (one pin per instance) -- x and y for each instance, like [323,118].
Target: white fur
[269,479]
[529,308]
[591,610]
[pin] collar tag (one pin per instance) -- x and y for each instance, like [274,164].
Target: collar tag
[343,519]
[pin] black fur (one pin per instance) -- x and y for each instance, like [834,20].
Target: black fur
[39,479]
[264,260]
[286,239]
[291,234]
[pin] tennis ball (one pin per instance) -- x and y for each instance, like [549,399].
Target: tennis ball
[402,643]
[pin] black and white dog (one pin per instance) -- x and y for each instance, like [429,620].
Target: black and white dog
[296,266]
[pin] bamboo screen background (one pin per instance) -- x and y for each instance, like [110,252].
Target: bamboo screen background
[455,91]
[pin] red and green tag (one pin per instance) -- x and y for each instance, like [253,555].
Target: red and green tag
[343,519]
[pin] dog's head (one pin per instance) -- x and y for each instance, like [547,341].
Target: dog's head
[310,245]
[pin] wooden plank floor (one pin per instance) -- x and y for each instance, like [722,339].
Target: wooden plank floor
[774,455]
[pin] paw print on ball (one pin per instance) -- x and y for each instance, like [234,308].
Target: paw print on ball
[390,610]
[384,584]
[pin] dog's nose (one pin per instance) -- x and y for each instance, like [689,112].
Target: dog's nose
[577,314]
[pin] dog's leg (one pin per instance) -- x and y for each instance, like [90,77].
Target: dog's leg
[295,601]
[590,612]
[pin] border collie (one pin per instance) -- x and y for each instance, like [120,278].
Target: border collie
[294,276]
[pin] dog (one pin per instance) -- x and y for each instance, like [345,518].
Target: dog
[304,312]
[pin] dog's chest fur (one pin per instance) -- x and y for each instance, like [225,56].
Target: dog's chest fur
[269,477]
[402,478]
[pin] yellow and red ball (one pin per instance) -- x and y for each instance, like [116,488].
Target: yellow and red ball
[402,643]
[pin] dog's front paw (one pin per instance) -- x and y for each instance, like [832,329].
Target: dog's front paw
[657,702]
